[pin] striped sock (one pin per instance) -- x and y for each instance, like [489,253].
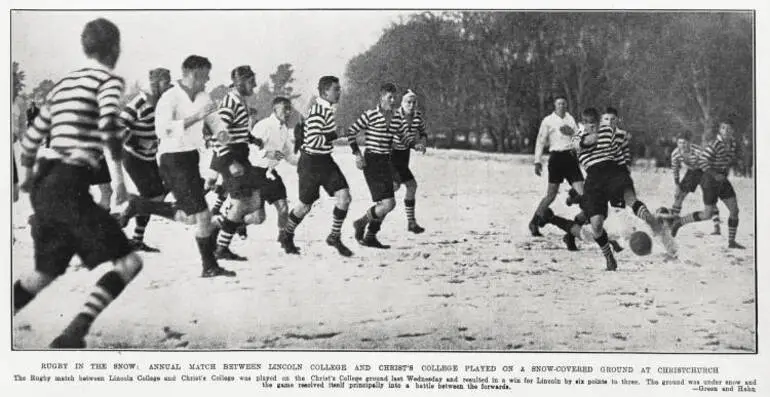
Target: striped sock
[409,204]
[693,217]
[141,225]
[604,244]
[292,223]
[732,227]
[226,233]
[109,286]
[339,218]
[643,213]
[374,227]
[676,209]
[221,197]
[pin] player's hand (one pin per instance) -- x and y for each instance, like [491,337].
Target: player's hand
[236,169]
[590,139]
[208,108]
[119,193]
[538,169]
[420,147]
[360,162]
[26,177]
[275,155]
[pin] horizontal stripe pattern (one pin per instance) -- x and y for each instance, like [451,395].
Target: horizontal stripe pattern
[380,133]
[411,128]
[138,116]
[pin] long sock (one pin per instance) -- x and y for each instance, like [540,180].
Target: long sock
[562,223]
[604,244]
[581,218]
[732,226]
[221,197]
[374,227]
[716,219]
[21,296]
[206,248]
[225,236]
[676,209]
[109,286]
[369,216]
[339,218]
[409,204]
[693,217]
[141,225]
[150,207]
[643,213]
[293,222]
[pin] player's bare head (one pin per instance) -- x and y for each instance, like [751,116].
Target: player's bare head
[409,101]
[282,108]
[590,116]
[726,128]
[160,80]
[195,70]
[387,96]
[610,117]
[101,41]
[243,79]
[560,104]
[329,89]
[683,140]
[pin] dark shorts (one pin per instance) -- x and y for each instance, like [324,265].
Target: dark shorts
[714,190]
[67,221]
[101,175]
[691,180]
[379,176]
[563,165]
[145,174]
[400,164]
[316,171]
[604,183]
[182,177]
[240,186]
[271,190]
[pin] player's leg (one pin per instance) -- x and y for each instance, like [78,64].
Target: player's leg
[282,211]
[717,222]
[550,195]
[597,227]
[335,184]
[410,201]
[309,183]
[105,195]
[146,177]
[710,189]
[679,196]
[231,221]
[642,212]
[727,195]
[374,217]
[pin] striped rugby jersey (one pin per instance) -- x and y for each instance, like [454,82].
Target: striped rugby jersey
[138,116]
[691,159]
[609,146]
[79,115]
[624,155]
[235,113]
[410,131]
[718,155]
[320,128]
[381,134]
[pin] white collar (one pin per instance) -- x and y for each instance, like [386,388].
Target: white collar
[323,102]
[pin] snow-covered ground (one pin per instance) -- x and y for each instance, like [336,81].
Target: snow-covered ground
[475,280]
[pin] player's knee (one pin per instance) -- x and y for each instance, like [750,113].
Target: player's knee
[411,184]
[256,218]
[129,266]
[344,198]
[388,204]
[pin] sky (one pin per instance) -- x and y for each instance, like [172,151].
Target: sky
[47,43]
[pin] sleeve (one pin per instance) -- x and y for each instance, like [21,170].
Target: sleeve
[421,129]
[129,115]
[226,110]
[361,124]
[676,163]
[331,123]
[33,137]
[314,129]
[165,113]
[708,157]
[542,140]
[626,149]
[108,99]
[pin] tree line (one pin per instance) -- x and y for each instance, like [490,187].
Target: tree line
[491,76]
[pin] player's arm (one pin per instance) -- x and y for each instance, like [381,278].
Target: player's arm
[676,165]
[31,139]
[109,124]
[422,137]
[541,141]
[128,117]
[361,124]
[314,133]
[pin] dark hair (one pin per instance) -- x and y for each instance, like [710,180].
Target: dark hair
[728,121]
[241,72]
[591,114]
[196,62]
[388,87]
[160,73]
[281,99]
[325,82]
[559,96]
[686,135]
[99,37]
[611,110]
